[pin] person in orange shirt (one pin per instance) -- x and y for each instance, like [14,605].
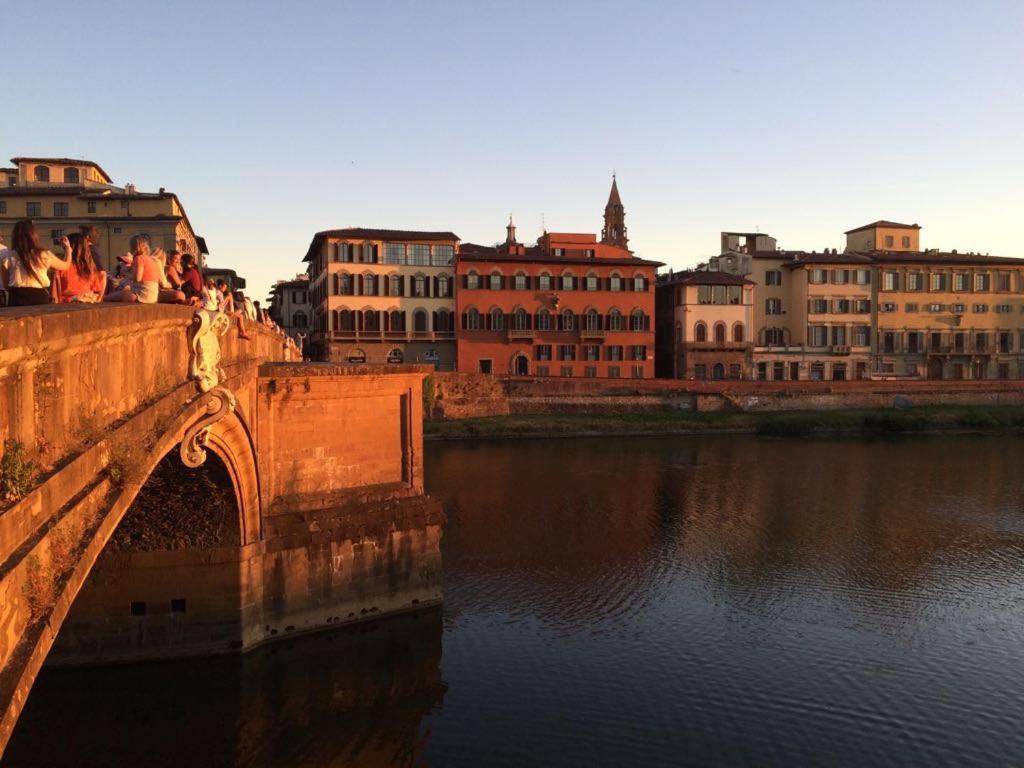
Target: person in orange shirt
[83,280]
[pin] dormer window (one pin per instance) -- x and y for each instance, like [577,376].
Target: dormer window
[71,176]
[42,173]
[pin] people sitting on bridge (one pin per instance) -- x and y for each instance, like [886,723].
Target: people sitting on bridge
[191,280]
[145,275]
[211,296]
[172,269]
[168,293]
[83,281]
[25,268]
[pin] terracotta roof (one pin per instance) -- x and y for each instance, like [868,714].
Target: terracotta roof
[361,233]
[882,223]
[52,191]
[939,257]
[61,161]
[613,196]
[473,252]
[700,277]
[828,258]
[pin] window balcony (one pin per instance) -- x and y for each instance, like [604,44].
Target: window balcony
[592,333]
[521,334]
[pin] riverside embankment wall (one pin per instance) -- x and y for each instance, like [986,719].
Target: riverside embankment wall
[453,396]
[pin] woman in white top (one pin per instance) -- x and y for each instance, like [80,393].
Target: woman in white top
[25,268]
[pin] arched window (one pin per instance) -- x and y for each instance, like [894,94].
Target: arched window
[639,283]
[568,281]
[700,332]
[718,372]
[472,280]
[396,321]
[42,173]
[443,286]
[544,282]
[369,284]
[520,320]
[592,320]
[719,333]
[395,285]
[568,320]
[637,320]
[774,337]
[419,286]
[737,332]
[396,356]
[299,320]
[591,284]
[356,356]
[371,321]
[615,320]
[71,176]
[543,320]
[345,284]
[419,321]
[497,319]
[679,332]
[444,321]
[615,282]
[472,321]
[495,281]
[521,283]
[347,320]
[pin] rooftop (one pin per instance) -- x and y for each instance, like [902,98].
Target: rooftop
[700,277]
[61,161]
[882,223]
[393,235]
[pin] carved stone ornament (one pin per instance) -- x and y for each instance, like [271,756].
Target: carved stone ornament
[204,348]
[219,403]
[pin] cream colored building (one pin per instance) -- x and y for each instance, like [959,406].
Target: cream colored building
[383,296]
[60,195]
[289,306]
[882,308]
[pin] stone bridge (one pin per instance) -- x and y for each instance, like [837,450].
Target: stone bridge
[170,489]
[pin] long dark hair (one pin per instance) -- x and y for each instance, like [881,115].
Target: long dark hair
[25,241]
[81,255]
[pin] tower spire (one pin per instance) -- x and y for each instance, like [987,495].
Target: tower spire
[614,232]
[510,231]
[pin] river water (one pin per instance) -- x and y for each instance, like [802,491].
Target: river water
[640,601]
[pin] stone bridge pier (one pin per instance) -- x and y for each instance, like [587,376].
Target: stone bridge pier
[171,490]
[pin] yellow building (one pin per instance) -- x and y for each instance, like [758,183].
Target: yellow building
[60,195]
[882,308]
[383,296]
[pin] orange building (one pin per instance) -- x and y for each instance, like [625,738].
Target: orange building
[569,306]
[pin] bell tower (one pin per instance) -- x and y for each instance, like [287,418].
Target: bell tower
[614,232]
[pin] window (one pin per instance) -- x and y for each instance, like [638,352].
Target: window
[3,207]
[719,333]
[906,241]
[369,285]
[56,235]
[542,352]
[861,335]
[639,352]
[737,333]
[910,306]
[1003,309]
[615,320]
[700,333]
[591,352]
[890,281]
[544,282]
[568,283]
[638,321]
[734,371]
[345,284]
[71,176]
[862,276]
[566,352]
[934,308]
[472,281]
[419,321]
[938,281]
[818,306]
[958,309]
[888,241]
[568,320]
[614,372]
[33,210]
[497,320]
[841,306]
[441,255]
[773,277]
[862,306]
[369,253]
[700,371]
[961,281]
[472,320]
[394,253]
[520,281]
[773,306]
[819,276]
[543,320]
[638,371]
[419,286]
[591,283]
[418,254]
[396,285]
[615,283]
[840,276]
[981,281]
[590,371]
[42,173]
[592,320]
[567,371]
[1003,281]
[819,335]
[299,320]
[915,281]
[639,283]
[981,342]
[520,320]
[1005,342]
[443,286]
[774,337]
[495,281]
[979,309]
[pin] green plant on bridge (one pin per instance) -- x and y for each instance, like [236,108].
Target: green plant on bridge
[17,471]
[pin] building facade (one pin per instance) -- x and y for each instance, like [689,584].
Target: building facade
[881,308]
[704,322]
[568,306]
[383,296]
[60,195]
[289,306]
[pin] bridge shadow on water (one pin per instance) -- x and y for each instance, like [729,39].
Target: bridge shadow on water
[356,694]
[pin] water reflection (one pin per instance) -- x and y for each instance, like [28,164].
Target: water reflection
[694,601]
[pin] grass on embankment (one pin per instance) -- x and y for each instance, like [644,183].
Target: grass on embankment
[772,424]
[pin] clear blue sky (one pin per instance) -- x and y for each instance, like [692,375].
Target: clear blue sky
[274,120]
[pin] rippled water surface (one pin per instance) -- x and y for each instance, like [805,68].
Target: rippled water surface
[643,601]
